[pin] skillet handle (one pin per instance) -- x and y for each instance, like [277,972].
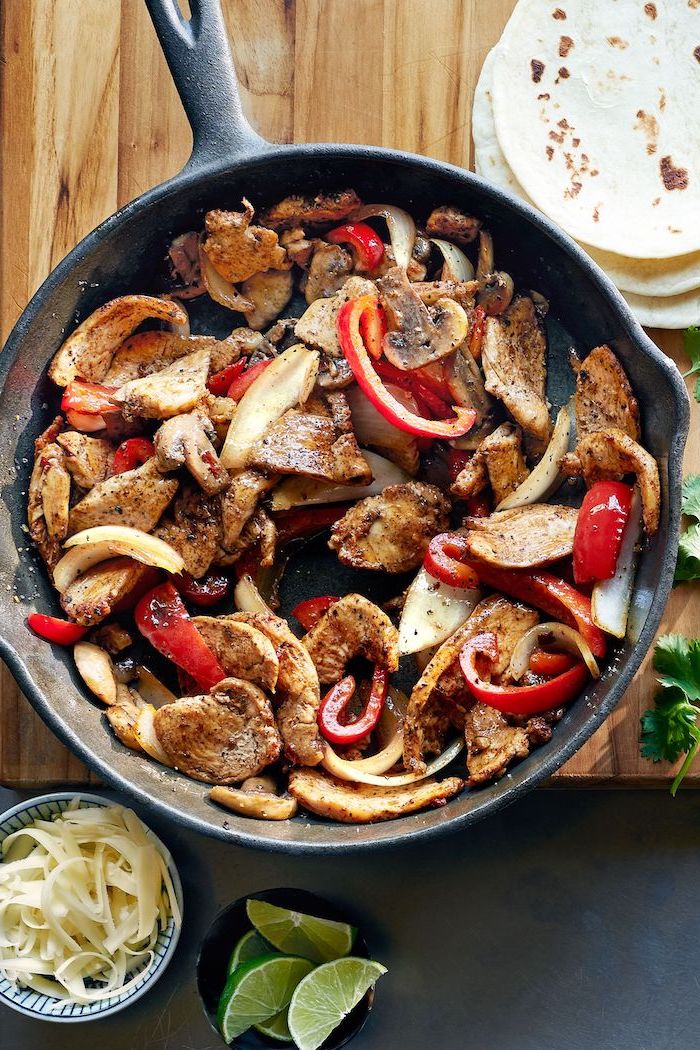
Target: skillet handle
[199,58]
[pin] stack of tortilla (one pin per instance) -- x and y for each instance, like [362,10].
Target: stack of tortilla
[590,111]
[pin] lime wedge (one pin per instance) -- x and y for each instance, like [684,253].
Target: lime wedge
[276,1028]
[320,940]
[326,996]
[257,990]
[250,946]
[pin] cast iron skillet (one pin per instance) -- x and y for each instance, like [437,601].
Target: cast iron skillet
[121,255]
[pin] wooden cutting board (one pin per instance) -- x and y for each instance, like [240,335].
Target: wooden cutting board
[90,119]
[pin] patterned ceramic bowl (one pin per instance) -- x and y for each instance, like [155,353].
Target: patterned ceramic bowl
[33,1004]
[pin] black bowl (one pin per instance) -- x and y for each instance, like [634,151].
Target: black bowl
[230,925]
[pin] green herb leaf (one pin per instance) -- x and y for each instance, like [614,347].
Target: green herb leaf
[670,728]
[688,561]
[669,731]
[691,346]
[691,496]
[677,659]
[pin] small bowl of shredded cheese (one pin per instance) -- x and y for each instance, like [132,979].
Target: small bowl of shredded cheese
[90,907]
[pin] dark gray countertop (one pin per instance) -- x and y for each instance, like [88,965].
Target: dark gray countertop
[570,920]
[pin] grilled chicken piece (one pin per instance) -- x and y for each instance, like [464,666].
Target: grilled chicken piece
[498,461]
[604,397]
[354,626]
[90,598]
[259,531]
[466,384]
[323,209]
[236,249]
[167,393]
[452,224]
[242,650]
[269,291]
[431,292]
[221,738]
[391,532]
[88,460]
[509,621]
[297,692]
[361,804]
[148,352]
[524,537]
[88,351]
[329,269]
[316,442]
[48,502]
[415,271]
[418,336]
[186,440]
[123,716]
[136,498]
[514,361]
[317,325]
[299,248]
[608,455]
[193,528]
[492,744]
[239,502]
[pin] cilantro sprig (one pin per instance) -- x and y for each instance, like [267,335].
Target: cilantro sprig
[688,561]
[691,346]
[670,728]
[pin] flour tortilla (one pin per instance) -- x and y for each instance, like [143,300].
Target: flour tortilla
[676,311]
[596,108]
[644,277]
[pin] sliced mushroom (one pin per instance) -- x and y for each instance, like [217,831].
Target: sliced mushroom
[328,271]
[253,799]
[236,249]
[417,336]
[185,439]
[96,670]
[496,288]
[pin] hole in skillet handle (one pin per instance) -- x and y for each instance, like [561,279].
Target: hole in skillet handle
[227,929]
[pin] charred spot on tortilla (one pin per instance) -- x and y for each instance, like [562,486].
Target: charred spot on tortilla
[549,150]
[696,52]
[650,10]
[672,177]
[617,41]
[544,96]
[565,45]
[537,68]
[558,14]
[596,214]
[557,136]
[564,74]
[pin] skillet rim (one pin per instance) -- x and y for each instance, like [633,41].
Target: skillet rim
[496,796]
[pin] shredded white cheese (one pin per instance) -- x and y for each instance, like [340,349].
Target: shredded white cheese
[83,898]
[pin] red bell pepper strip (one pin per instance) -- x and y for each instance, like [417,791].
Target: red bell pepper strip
[219,383]
[442,561]
[367,245]
[163,620]
[548,593]
[246,379]
[132,453]
[457,460]
[517,700]
[92,399]
[335,703]
[476,332]
[348,327]
[308,613]
[51,629]
[601,521]
[306,521]
[373,329]
[549,664]
[208,590]
[84,422]
[429,402]
[478,507]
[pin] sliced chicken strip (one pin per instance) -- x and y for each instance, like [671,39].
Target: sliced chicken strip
[123,716]
[297,690]
[239,502]
[353,626]
[149,352]
[193,528]
[492,744]
[241,649]
[169,392]
[237,249]
[524,537]
[317,326]
[91,598]
[88,460]
[269,292]
[455,225]
[306,443]
[499,460]
[361,804]
[221,738]
[608,455]
[136,498]
[604,397]
[391,532]
[323,209]
[48,501]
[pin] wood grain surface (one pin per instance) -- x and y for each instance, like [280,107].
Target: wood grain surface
[90,119]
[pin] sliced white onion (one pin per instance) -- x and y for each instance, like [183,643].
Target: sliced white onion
[284,384]
[344,770]
[432,611]
[402,229]
[96,670]
[565,637]
[152,689]
[457,267]
[610,600]
[91,546]
[182,329]
[146,735]
[298,491]
[85,422]
[371,428]
[247,597]
[219,289]
[546,477]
